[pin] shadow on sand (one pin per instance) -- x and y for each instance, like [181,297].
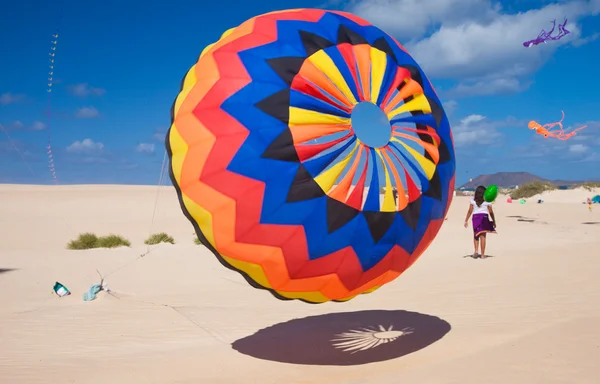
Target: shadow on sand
[478,257]
[527,219]
[591,222]
[347,338]
[4,270]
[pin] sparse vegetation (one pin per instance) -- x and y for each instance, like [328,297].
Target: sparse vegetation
[84,241]
[89,240]
[159,238]
[197,241]
[531,189]
[590,185]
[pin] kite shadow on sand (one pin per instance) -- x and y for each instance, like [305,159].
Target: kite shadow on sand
[347,338]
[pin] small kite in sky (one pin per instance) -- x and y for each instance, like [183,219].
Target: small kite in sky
[546,129]
[544,36]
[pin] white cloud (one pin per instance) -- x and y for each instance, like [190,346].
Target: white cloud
[87,113]
[145,148]
[38,126]
[450,106]
[159,136]
[591,158]
[474,129]
[84,90]
[410,19]
[578,148]
[86,146]
[478,129]
[586,40]
[35,126]
[11,98]
[485,88]
[475,41]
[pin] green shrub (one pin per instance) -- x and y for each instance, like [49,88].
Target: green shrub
[159,238]
[112,241]
[84,241]
[89,240]
[197,241]
[531,189]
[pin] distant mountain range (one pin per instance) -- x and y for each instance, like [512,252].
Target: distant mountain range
[512,179]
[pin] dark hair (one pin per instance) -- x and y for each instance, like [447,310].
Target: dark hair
[479,195]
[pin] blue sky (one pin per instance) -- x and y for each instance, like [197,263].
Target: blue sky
[118,70]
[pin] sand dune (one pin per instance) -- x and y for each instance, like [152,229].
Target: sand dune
[529,314]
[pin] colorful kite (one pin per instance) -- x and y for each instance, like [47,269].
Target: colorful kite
[544,36]
[52,54]
[546,130]
[306,221]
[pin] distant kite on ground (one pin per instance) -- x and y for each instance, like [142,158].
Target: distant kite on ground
[546,130]
[544,36]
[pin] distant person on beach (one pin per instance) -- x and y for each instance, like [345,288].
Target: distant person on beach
[481,222]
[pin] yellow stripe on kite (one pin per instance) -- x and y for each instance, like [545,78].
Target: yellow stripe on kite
[227,33]
[202,217]
[322,61]
[419,103]
[255,271]
[299,116]
[327,179]
[378,65]
[179,150]
[188,83]
[389,205]
[313,297]
[206,49]
[427,165]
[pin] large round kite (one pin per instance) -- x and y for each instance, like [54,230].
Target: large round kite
[270,172]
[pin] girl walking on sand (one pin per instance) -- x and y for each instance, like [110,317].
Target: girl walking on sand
[481,222]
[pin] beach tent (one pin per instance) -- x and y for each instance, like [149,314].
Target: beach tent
[596,199]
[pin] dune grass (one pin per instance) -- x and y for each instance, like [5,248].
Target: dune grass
[89,240]
[590,185]
[531,189]
[197,241]
[159,238]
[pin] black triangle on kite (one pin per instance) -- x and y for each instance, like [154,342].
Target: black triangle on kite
[286,67]
[435,187]
[277,105]
[314,43]
[384,46]
[379,223]
[436,111]
[412,212]
[282,148]
[444,153]
[338,214]
[346,35]
[304,187]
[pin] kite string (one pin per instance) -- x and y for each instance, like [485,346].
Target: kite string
[16,149]
[52,54]
[160,182]
[159,185]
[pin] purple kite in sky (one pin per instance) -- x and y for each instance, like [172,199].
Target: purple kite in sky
[544,36]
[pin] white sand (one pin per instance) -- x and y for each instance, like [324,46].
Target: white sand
[578,195]
[529,314]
